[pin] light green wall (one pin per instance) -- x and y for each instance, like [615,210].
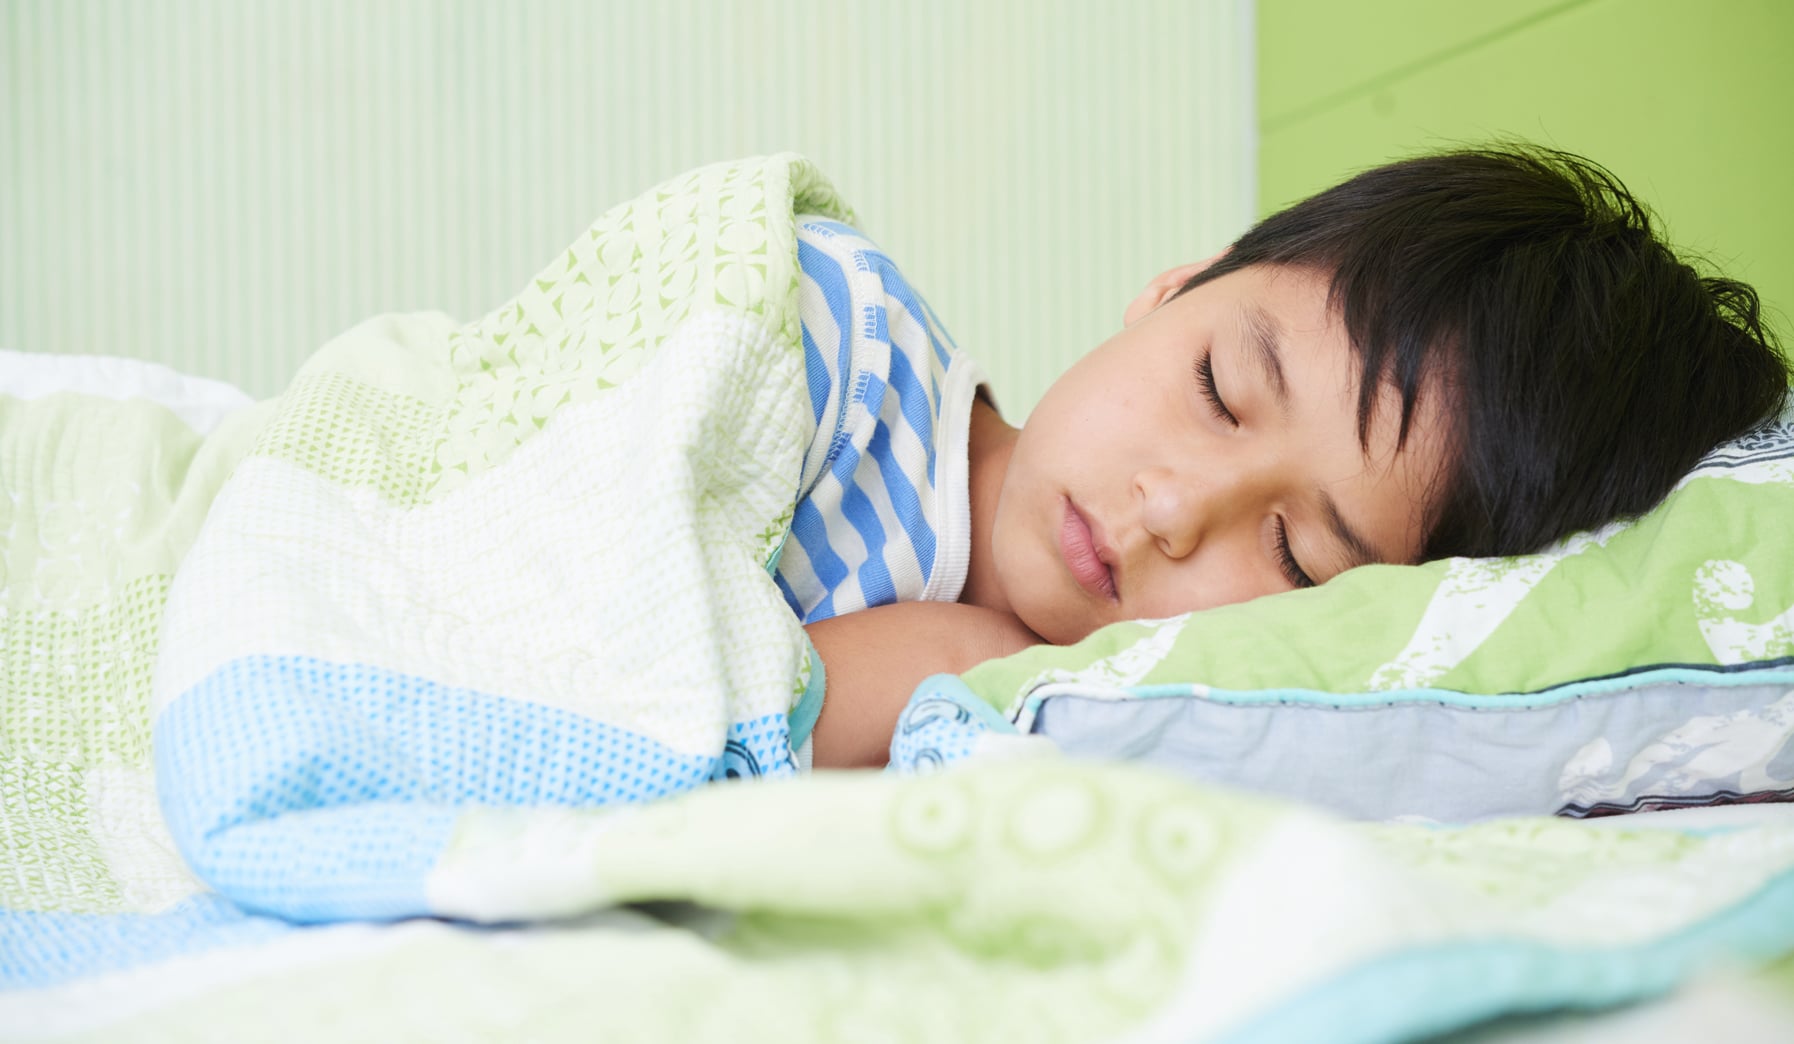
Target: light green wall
[223,184]
[1690,103]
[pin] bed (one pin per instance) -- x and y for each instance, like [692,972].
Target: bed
[366,712]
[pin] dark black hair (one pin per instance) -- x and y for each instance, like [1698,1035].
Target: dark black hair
[1585,367]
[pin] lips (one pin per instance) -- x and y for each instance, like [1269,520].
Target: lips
[1079,548]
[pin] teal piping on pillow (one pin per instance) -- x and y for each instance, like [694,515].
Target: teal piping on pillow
[1778,673]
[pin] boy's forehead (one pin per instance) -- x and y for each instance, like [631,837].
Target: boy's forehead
[1269,295]
[1307,286]
[1275,305]
[1289,315]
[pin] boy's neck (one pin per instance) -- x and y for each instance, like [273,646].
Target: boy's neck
[991,442]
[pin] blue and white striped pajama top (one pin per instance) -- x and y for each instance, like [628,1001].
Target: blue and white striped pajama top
[884,513]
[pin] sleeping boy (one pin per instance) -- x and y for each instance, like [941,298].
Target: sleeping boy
[1474,353]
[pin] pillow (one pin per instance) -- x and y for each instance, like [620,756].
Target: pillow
[199,401]
[1649,664]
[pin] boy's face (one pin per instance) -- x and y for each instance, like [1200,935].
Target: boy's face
[1138,489]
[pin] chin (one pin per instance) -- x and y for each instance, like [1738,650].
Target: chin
[1055,631]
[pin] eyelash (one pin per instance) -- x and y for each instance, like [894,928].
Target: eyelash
[1205,376]
[1287,559]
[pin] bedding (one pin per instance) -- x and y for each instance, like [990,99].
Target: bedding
[513,564]
[201,403]
[1031,898]
[448,696]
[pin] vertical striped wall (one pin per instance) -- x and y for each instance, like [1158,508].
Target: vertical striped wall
[223,184]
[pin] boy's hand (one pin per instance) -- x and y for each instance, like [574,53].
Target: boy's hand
[875,658]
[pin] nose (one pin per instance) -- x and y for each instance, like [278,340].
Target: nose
[1180,510]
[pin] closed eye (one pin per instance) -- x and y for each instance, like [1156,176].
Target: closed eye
[1286,559]
[1205,377]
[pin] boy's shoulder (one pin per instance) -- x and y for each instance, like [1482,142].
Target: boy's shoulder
[870,338]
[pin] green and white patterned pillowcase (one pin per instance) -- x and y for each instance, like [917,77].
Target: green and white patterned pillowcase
[1646,664]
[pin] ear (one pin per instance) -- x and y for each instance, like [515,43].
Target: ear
[1162,287]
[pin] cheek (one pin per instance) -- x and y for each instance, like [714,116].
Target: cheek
[1017,547]
[1041,467]
[1207,581]
[1108,382]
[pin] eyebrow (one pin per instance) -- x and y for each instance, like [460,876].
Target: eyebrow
[1263,337]
[1358,550]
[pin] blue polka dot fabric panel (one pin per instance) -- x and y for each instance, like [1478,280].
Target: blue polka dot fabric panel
[315,789]
[40,949]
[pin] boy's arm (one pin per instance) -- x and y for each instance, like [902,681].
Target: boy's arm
[875,658]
